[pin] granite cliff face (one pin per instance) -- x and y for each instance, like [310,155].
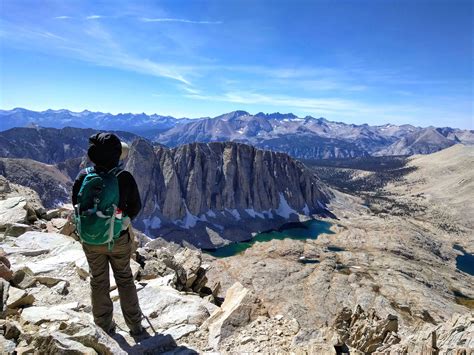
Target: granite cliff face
[52,186]
[199,188]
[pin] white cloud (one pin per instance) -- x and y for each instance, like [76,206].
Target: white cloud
[63,17]
[191,90]
[94,17]
[146,19]
[335,108]
[93,43]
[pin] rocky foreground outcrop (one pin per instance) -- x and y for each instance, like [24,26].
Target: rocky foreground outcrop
[44,307]
[192,192]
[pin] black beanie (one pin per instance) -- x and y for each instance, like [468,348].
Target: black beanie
[104,150]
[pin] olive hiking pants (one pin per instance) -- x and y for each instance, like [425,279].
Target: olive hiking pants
[99,257]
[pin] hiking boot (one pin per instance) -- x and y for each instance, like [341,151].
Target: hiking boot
[137,331]
[111,329]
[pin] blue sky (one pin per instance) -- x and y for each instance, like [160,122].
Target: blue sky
[378,61]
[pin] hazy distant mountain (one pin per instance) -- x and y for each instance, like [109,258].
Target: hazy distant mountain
[315,138]
[308,137]
[138,123]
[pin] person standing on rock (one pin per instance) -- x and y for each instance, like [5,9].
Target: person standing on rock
[106,199]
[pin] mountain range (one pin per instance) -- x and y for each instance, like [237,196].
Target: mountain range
[207,194]
[308,137]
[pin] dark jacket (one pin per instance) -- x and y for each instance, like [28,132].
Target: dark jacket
[104,151]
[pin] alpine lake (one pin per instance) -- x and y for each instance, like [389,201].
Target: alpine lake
[464,262]
[310,229]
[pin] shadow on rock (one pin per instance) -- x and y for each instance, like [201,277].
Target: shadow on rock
[151,344]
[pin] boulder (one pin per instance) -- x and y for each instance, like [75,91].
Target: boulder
[166,307]
[366,332]
[13,210]
[5,188]
[190,261]
[39,240]
[12,330]
[239,308]
[46,342]
[17,229]
[58,223]
[41,212]
[50,281]
[68,228]
[201,280]
[40,314]
[7,346]
[168,280]
[23,278]
[91,336]
[61,288]
[54,213]
[18,298]
[59,260]
[154,268]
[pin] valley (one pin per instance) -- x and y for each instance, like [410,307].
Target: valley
[313,250]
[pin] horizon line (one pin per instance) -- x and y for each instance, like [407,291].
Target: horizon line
[209,117]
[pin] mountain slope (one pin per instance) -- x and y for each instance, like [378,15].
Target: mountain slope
[426,141]
[444,182]
[314,138]
[52,186]
[137,123]
[49,145]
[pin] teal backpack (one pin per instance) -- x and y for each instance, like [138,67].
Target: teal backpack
[96,216]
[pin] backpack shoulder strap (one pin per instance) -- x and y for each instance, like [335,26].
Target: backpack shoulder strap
[117,171]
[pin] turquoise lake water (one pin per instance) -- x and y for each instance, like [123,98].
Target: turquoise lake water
[307,230]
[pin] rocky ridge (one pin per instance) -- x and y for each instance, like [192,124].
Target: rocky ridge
[315,138]
[191,192]
[306,138]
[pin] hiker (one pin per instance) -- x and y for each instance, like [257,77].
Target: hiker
[105,199]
